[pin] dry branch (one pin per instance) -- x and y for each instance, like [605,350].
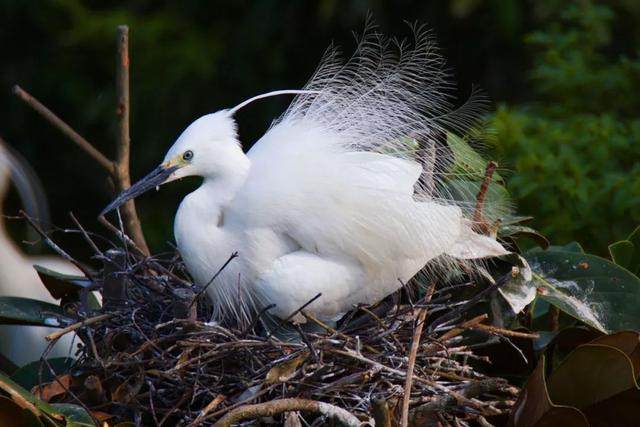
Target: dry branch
[118,170]
[180,369]
[123,142]
[63,127]
[478,214]
[275,407]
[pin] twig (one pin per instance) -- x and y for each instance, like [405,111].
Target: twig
[63,127]
[123,141]
[117,170]
[54,246]
[71,328]
[505,332]
[279,406]
[85,235]
[425,381]
[478,214]
[289,317]
[415,344]
[215,276]
[468,324]
[210,407]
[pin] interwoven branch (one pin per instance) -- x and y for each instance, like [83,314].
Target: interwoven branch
[118,169]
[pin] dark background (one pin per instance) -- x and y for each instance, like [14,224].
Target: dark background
[563,77]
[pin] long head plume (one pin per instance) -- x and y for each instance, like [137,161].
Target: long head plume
[233,110]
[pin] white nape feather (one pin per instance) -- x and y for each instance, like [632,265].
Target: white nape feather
[344,195]
[18,278]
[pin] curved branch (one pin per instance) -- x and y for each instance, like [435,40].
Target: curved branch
[279,406]
[63,127]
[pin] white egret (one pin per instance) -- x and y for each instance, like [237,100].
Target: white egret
[343,196]
[18,278]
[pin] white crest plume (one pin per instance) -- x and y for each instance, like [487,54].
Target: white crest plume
[396,97]
[270,94]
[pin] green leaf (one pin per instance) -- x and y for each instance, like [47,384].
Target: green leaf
[26,311]
[626,253]
[11,414]
[28,376]
[622,253]
[65,286]
[515,219]
[569,247]
[466,160]
[634,238]
[521,230]
[26,400]
[496,201]
[589,288]
[74,415]
[518,290]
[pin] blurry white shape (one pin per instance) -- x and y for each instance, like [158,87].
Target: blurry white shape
[18,278]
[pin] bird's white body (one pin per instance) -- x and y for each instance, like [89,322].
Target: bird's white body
[18,278]
[306,220]
[335,199]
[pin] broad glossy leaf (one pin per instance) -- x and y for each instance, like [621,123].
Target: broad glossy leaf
[70,415]
[589,288]
[26,400]
[65,286]
[622,253]
[634,238]
[467,160]
[534,408]
[60,285]
[590,374]
[74,415]
[26,311]
[518,291]
[521,230]
[601,376]
[626,253]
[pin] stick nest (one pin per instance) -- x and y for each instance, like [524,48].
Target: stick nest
[150,355]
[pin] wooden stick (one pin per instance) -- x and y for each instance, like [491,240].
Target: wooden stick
[355,356]
[478,214]
[415,344]
[71,328]
[504,332]
[210,407]
[122,178]
[278,406]
[118,170]
[63,127]
[457,331]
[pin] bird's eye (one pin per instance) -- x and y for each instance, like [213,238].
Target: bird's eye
[187,155]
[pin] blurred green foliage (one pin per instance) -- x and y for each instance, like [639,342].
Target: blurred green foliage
[575,148]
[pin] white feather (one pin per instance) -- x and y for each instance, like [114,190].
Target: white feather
[337,197]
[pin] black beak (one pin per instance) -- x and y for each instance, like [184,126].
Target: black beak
[152,180]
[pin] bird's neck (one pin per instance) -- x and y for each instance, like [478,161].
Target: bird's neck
[218,190]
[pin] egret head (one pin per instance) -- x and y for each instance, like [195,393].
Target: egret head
[208,147]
